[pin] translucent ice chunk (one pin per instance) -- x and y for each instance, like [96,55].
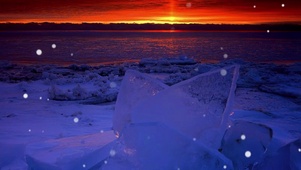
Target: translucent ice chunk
[135,87]
[287,157]
[151,146]
[246,143]
[198,107]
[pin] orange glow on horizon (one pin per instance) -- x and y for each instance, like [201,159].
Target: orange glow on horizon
[158,12]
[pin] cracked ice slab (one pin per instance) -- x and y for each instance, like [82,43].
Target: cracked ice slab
[156,146]
[70,153]
[135,87]
[198,107]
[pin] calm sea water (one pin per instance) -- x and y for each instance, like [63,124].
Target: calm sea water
[94,47]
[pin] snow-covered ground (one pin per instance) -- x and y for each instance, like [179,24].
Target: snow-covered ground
[54,117]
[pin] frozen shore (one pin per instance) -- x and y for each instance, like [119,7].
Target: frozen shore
[76,103]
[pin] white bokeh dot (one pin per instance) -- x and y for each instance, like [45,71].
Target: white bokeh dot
[40,98]
[101,131]
[283,5]
[268,31]
[225,56]
[225,166]
[53,46]
[243,137]
[222,48]
[75,120]
[84,165]
[299,149]
[223,72]
[71,54]
[112,152]
[194,139]
[248,154]
[43,131]
[48,99]
[105,161]
[113,84]
[29,130]
[254,6]
[204,115]
[25,95]
[188,4]
[39,52]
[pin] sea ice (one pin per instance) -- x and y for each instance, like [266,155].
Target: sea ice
[71,152]
[155,146]
[287,157]
[183,105]
[135,87]
[246,143]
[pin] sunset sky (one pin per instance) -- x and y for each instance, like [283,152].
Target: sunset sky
[148,11]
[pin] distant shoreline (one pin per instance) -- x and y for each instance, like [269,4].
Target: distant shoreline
[147,27]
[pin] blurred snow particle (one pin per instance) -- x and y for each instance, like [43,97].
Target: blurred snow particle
[222,48]
[29,130]
[194,139]
[225,56]
[53,46]
[71,54]
[204,115]
[223,72]
[43,131]
[178,169]
[101,131]
[84,165]
[283,5]
[40,98]
[25,95]
[47,99]
[112,152]
[243,137]
[188,4]
[254,6]
[39,52]
[196,69]
[105,161]
[299,149]
[229,126]
[225,166]
[248,154]
[268,31]
[75,120]
[113,84]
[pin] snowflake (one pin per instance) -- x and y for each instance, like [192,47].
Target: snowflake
[283,5]
[71,54]
[113,84]
[225,166]
[75,120]
[225,56]
[194,139]
[40,98]
[299,149]
[223,72]
[29,130]
[268,31]
[39,52]
[254,6]
[53,46]
[243,137]
[247,154]
[84,165]
[188,4]
[112,152]
[25,95]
